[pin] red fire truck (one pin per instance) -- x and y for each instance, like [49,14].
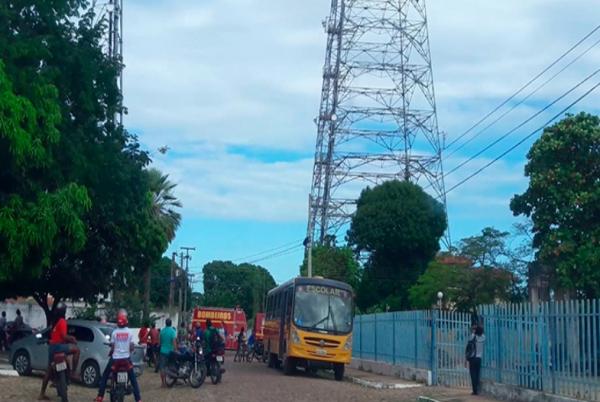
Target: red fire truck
[231,320]
[259,325]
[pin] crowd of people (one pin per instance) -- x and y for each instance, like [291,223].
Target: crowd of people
[9,328]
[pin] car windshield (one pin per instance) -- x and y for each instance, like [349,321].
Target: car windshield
[323,308]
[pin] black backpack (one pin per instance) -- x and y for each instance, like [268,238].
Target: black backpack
[471,349]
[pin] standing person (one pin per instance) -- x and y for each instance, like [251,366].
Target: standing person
[241,346]
[181,334]
[154,345]
[198,333]
[143,334]
[168,344]
[3,331]
[121,346]
[59,342]
[19,323]
[477,340]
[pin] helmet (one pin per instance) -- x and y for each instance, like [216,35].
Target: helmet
[60,310]
[122,318]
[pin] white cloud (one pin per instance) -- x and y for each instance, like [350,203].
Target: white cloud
[203,76]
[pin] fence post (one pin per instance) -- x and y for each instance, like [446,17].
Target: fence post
[553,321]
[394,338]
[416,315]
[360,331]
[433,351]
[499,361]
[375,336]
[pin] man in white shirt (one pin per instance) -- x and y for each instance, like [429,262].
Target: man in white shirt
[121,346]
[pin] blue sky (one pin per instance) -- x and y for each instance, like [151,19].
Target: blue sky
[232,87]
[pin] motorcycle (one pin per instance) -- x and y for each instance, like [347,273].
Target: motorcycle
[187,365]
[120,384]
[216,359]
[59,371]
[59,375]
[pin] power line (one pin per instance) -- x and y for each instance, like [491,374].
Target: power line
[522,124]
[288,251]
[267,251]
[523,140]
[525,86]
[524,99]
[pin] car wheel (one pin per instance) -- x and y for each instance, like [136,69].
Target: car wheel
[22,363]
[90,374]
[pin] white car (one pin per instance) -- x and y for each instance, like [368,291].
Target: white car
[31,352]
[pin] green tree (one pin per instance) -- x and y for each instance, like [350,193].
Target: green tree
[36,220]
[164,211]
[464,286]
[486,250]
[93,220]
[333,263]
[228,285]
[563,202]
[398,226]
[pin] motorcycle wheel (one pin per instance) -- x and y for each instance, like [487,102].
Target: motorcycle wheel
[215,372]
[170,381]
[61,386]
[197,377]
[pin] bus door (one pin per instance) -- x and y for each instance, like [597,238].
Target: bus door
[286,313]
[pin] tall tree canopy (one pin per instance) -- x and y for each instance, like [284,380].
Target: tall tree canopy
[563,202]
[464,287]
[399,227]
[74,192]
[333,263]
[165,212]
[228,285]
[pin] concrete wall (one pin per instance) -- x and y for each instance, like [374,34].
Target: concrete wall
[404,372]
[512,393]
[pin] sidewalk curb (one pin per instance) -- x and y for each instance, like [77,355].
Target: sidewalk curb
[380,385]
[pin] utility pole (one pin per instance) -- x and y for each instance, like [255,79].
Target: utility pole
[187,273]
[308,241]
[180,271]
[172,283]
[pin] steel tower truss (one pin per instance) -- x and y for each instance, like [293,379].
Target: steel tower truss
[377,120]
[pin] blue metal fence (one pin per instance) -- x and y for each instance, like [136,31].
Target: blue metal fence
[551,347]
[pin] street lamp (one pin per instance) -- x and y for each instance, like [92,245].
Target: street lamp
[440,296]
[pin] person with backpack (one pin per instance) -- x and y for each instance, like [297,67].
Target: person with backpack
[474,354]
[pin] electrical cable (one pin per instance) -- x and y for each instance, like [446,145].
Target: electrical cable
[525,86]
[523,140]
[524,99]
[520,125]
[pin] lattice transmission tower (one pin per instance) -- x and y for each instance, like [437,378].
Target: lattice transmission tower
[111,13]
[377,120]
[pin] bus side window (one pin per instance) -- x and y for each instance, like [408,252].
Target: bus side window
[278,306]
[288,304]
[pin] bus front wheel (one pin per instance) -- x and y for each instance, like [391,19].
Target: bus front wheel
[338,371]
[289,366]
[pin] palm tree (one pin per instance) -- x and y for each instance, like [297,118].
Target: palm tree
[164,210]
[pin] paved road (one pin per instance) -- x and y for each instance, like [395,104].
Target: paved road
[243,382]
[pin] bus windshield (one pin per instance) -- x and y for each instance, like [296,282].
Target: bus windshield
[323,308]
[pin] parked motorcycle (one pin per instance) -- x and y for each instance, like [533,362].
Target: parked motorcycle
[187,365]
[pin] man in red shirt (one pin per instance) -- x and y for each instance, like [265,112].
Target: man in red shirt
[59,342]
[153,346]
[143,335]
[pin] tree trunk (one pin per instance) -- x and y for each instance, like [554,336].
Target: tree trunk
[147,286]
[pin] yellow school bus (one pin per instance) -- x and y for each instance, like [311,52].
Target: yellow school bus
[309,324]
